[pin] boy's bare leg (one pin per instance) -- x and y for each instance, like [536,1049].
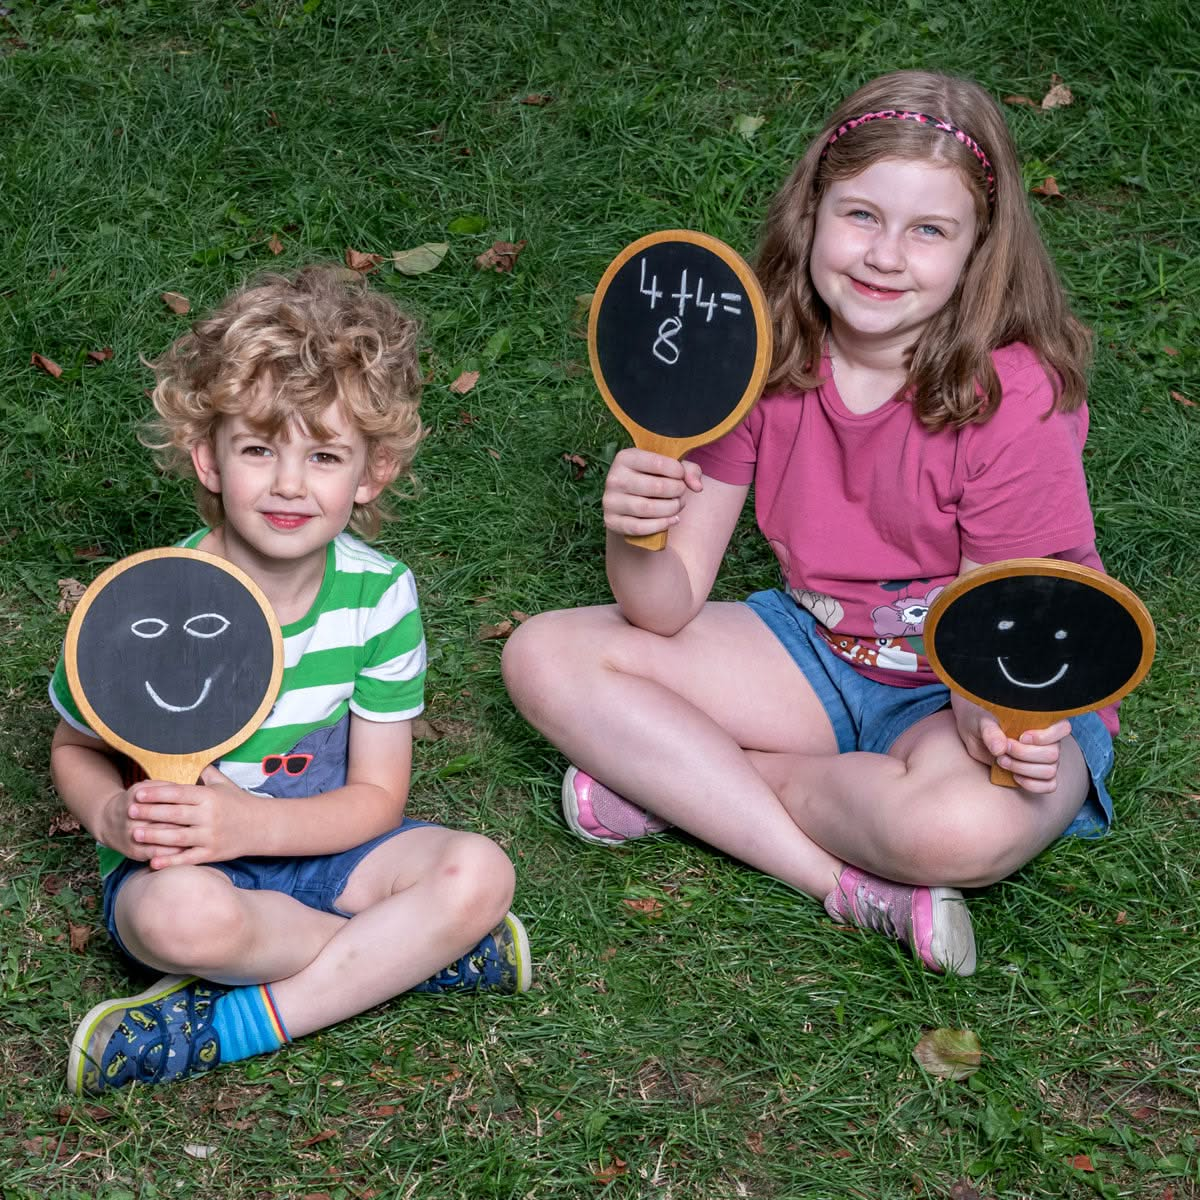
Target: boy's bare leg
[419,900]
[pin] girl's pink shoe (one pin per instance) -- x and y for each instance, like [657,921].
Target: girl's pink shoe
[598,814]
[932,922]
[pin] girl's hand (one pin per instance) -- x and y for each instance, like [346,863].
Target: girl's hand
[645,492]
[1032,758]
[188,824]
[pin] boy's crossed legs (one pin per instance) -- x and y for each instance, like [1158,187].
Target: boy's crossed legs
[282,968]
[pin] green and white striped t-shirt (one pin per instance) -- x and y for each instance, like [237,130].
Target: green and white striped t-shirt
[360,648]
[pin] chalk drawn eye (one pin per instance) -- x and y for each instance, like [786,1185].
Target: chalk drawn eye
[1060,635]
[206,625]
[1005,625]
[148,627]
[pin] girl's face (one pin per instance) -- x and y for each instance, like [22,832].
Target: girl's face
[888,249]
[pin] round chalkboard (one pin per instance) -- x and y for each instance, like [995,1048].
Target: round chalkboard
[679,338]
[174,656]
[1037,639]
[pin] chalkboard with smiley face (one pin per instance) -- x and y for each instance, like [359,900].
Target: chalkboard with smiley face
[1034,640]
[174,657]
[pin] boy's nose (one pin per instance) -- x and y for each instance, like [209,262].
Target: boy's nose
[289,480]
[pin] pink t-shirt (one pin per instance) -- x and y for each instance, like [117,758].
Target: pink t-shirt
[870,514]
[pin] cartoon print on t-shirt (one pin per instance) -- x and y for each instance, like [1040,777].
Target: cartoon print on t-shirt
[905,615]
[315,764]
[824,608]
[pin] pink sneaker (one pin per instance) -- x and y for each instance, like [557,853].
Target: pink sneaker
[932,922]
[598,814]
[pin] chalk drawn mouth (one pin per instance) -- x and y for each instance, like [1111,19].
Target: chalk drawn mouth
[179,708]
[1020,682]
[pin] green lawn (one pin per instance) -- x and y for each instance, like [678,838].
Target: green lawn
[728,1041]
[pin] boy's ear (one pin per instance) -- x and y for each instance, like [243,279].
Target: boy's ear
[204,460]
[381,469]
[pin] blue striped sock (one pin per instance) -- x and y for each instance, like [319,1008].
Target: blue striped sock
[247,1022]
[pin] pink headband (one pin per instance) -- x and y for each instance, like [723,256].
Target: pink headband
[895,114]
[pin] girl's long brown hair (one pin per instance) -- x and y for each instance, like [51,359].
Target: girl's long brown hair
[1008,292]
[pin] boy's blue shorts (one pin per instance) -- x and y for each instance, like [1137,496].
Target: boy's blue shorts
[317,880]
[867,715]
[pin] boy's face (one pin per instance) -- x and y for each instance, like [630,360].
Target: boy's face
[287,496]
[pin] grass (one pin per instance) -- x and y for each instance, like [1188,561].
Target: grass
[728,1042]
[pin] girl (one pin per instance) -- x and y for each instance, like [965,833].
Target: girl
[924,415]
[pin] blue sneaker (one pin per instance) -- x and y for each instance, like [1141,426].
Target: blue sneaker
[500,963]
[162,1034]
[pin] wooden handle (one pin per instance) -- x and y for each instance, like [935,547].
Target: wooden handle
[648,541]
[1002,778]
[170,768]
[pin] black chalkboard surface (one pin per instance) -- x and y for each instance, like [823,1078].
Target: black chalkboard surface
[680,342]
[1037,639]
[174,656]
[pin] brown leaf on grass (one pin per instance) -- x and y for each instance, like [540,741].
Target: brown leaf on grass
[490,633]
[425,731]
[1180,398]
[46,364]
[1059,95]
[494,453]
[87,553]
[1021,100]
[324,1136]
[1048,188]
[1171,351]
[63,825]
[273,119]
[648,906]
[275,245]
[79,936]
[66,1113]
[387,1110]
[949,1053]
[361,261]
[70,592]
[1081,1162]
[100,355]
[754,1139]
[537,99]
[464,383]
[1122,918]
[1142,1113]
[578,462]
[176,302]
[613,1170]
[500,256]
[519,616]
[420,259]
[962,1189]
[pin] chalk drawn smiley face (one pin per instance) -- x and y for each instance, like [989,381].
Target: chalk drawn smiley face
[1038,643]
[174,654]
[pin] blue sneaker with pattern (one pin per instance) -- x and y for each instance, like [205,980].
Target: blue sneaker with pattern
[500,963]
[161,1034]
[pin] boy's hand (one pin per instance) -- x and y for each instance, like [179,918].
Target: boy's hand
[120,830]
[1032,758]
[189,824]
[645,492]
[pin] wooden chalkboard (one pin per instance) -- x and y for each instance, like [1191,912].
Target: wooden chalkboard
[174,657]
[680,342]
[1034,640]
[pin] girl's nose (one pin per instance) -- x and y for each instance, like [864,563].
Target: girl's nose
[885,252]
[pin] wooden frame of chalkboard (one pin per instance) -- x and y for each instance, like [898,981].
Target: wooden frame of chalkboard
[1014,721]
[182,767]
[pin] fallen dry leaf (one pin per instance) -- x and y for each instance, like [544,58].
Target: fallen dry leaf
[949,1053]
[273,119]
[537,99]
[1059,95]
[1171,351]
[64,824]
[1121,918]
[754,1139]
[359,260]
[464,383]
[962,1189]
[324,1136]
[1142,1113]
[70,592]
[275,245]
[198,1150]
[500,256]
[419,259]
[66,1113]
[578,462]
[177,303]
[78,936]
[1081,1162]
[615,1169]
[489,633]
[1021,100]
[46,364]
[748,125]
[425,731]
[494,453]
[519,616]
[1180,398]
[646,905]
[1048,188]
[100,355]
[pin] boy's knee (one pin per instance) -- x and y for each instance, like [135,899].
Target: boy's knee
[182,914]
[476,878]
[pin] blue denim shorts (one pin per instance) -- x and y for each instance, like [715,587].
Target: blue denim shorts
[317,880]
[870,716]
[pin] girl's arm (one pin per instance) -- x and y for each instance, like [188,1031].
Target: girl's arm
[661,591]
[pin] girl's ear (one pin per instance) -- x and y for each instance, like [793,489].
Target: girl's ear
[204,460]
[381,469]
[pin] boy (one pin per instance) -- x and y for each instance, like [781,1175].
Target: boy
[287,891]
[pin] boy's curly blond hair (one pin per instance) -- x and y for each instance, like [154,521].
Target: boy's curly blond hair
[314,338]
